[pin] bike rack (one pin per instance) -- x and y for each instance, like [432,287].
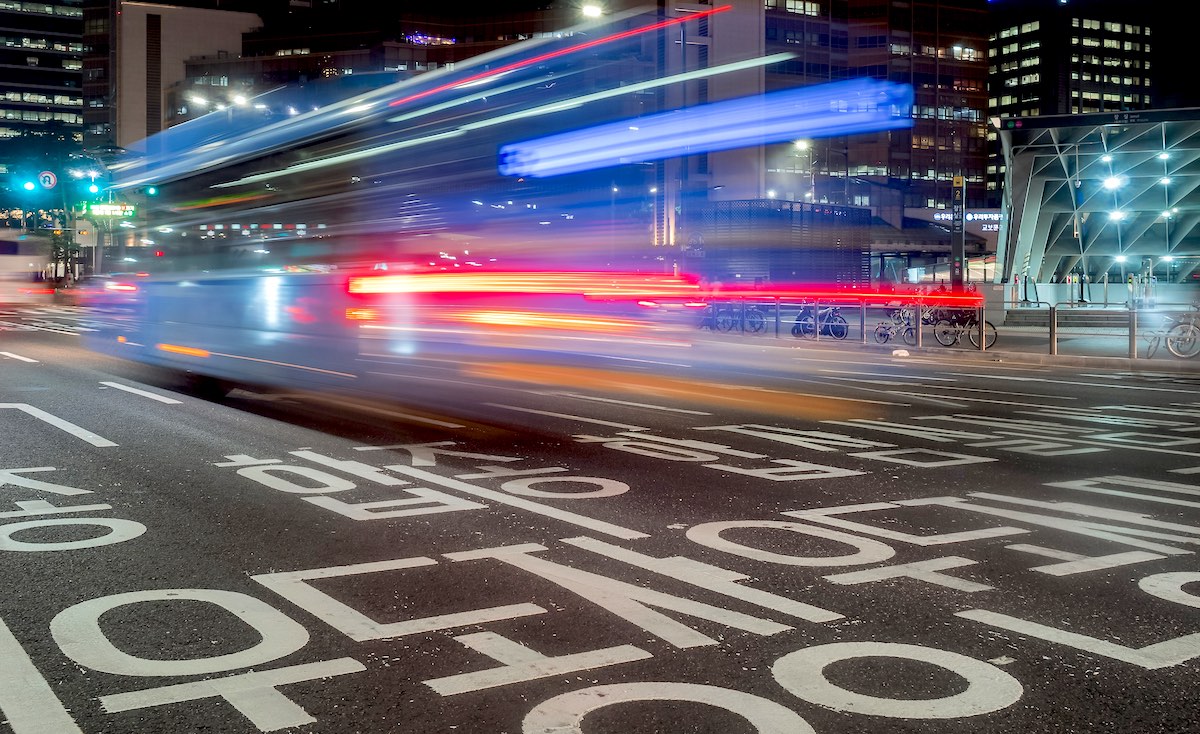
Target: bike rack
[909,303]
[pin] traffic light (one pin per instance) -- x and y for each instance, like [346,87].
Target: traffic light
[151,191]
[29,186]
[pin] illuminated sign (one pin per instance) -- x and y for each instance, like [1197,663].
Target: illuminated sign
[970,216]
[112,210]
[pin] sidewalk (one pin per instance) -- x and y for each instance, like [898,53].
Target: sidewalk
[1089,348]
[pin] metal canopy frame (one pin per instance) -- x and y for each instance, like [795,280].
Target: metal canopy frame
[1081,191]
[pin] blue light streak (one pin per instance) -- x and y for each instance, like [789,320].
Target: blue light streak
[840,108]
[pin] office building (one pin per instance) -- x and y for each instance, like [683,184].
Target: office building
[40,61]
[135,51]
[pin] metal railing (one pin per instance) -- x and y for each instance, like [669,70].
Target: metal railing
[751,313]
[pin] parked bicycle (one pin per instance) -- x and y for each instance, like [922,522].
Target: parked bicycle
[898,326]
[830,320]
[949,329]
[727,317]
[1180,334]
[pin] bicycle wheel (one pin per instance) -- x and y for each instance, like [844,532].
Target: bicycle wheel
[1152,347]
[989,334]
[1183,340]
[804,328]
[946,333]
[726,320]
[837,327]
[883,333]
[910,336]
[755,321]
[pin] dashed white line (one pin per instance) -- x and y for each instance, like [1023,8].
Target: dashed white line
[626,402]
[17,357]
[569,417]
[143,393]
[59,423]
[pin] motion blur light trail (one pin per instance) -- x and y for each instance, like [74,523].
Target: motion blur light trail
[600,284]
[524,63]
[493,121]
[841,108]
[757,400]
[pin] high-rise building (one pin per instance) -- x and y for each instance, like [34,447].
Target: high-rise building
[135,50]
[1049,57]
[937,46]
[41,54]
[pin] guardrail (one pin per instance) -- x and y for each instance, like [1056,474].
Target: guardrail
[767,313]
[754,308]
[1133,313]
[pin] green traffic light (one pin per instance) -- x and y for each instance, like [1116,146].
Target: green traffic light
[29,185]
[94,189]
[151,190]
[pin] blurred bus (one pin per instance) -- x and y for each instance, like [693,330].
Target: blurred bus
[23,281]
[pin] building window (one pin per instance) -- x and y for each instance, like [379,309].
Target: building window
[802,7]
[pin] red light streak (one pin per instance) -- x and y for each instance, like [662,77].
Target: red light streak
[602,284]
[560,52]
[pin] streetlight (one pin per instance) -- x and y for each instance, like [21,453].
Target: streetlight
[805,149]
[591,10]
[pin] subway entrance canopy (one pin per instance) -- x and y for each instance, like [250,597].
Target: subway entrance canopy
[1113,193]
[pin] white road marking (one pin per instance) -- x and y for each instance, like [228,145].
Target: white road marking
[143,393]
[26,699]
[899,382]
[38,328]
[569,417]
[357,405]
[971,400]
[643,361]
[504,498]
[1187,470]
[17,356]
[57,422]
[1002,392]
[1083,384]
[626,402]
[888,374]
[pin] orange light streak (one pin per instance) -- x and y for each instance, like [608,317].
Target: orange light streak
[189,351]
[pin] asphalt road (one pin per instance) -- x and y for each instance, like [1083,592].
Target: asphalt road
[726,538]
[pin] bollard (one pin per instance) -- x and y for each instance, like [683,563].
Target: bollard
[862,320]
[982,331]
[1054,330]
[777,316]
[1132,332]
[919,321]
